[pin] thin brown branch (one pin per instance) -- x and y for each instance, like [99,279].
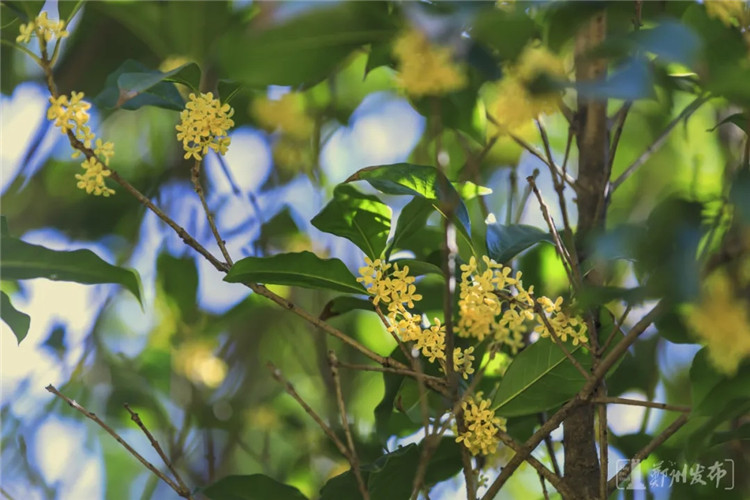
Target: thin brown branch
[637,402]
[137,419]
[621,347]
[524,198]
[581,398]
[564,254]
[92,416]
[554,479]
[534,151]
[354,459]
[550,447]
[195,177]
[429,443]
[616,328]
[619,119]
[646,451]
[289,388]
[398,371]
[658,142]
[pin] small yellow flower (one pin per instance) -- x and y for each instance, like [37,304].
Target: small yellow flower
[45,29]
[104,150]
[426,69]
[482,426]
[463,361]
[92,180]
[204,125]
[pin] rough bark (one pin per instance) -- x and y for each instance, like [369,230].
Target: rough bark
[592,138]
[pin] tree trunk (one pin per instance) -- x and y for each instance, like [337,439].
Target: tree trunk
[592,137]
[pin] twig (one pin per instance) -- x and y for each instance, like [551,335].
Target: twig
[564,255]
[581,398]
[645,404]
[137,419]
[91,416]
[354,459]
[429,442]
[643,158]
[646,451]
[616,328]
[534,151]
[195,177]
[2,490]
[524,198]
[289,388]
[543,471]
[385,369]
[550,447]
[619,119]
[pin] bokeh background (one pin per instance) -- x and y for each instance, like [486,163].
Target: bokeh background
[192,359]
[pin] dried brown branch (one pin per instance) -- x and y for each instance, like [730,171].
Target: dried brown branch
[137,419]
[554,479]
[195,177]
[289,388]
[645,404]
[92,416]
[646,451]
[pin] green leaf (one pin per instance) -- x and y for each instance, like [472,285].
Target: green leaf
[539,378]
[468,190]
[739,119]
[361,218]
[17,321]
[305,49]
[344,304]
[391,475]
[505,242]
[418,267]
[418,180]
[412,218]
[387,422]
[303,269]
[20,260]
[343,486]
[179,279]
[133,85]
[506,33]
[252,487]
[711,390]
[445,463]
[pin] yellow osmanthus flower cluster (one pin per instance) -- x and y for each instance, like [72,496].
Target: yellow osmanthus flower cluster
[722,322]
[515,104]
[398,291]
[482,426]
[494,304]
[71,116]
[45,29]
[204,125]
[424,68]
